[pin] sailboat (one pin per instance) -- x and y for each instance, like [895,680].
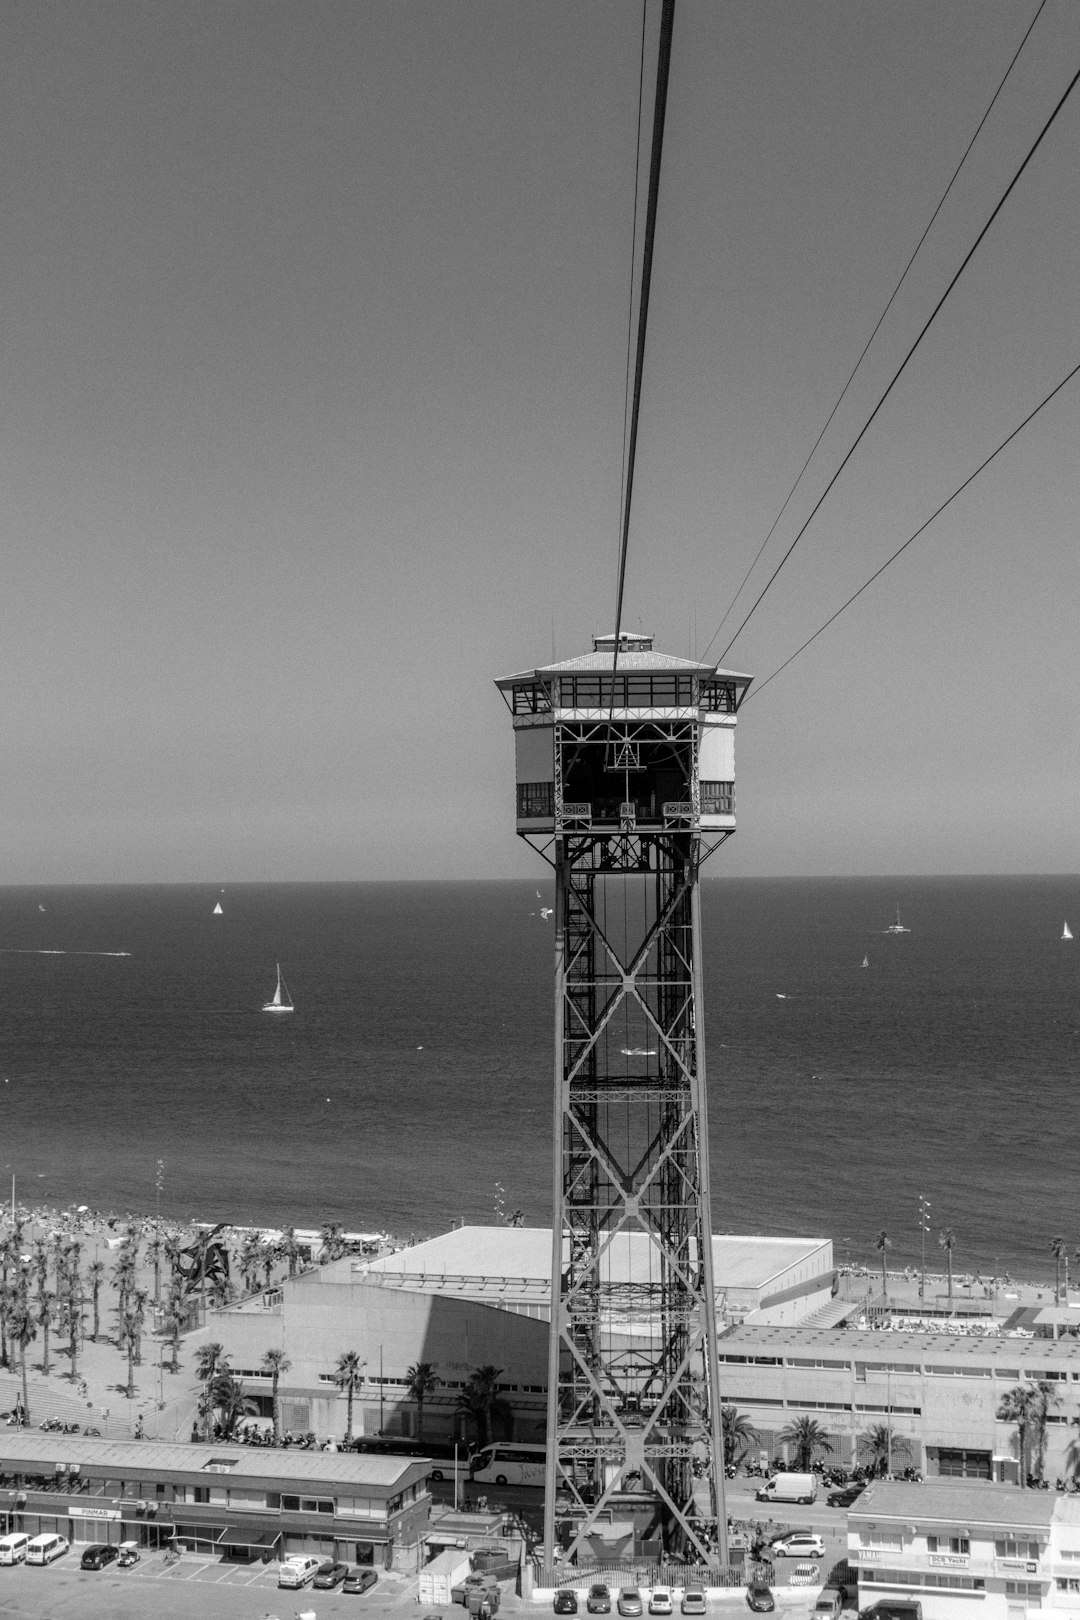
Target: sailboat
[1066,932]
[282,1001]
[866,961]
[897,927]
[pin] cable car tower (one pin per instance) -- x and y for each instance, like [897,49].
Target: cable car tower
[625,783]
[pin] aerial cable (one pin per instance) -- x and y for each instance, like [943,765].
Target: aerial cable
[633,261]
[904,363]
[760,687]
[663,65]
[892,298]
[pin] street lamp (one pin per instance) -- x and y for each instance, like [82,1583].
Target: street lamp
[924,1227]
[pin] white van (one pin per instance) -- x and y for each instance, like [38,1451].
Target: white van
[43,1549]
[13,1548]
[297,1570]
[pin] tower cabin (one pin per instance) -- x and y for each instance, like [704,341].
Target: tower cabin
[648,749]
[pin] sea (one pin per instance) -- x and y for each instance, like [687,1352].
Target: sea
[412,1085]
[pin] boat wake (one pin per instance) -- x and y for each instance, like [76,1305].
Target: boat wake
[28,950]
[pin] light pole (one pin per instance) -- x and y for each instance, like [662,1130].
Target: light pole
[924,1227]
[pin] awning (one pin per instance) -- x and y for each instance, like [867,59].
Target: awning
[237,1536]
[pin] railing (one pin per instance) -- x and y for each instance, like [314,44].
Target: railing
[634,1574]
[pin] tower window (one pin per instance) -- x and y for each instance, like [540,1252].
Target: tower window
[717,798]
[535,799]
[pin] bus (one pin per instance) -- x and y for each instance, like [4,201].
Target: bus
[507,1462]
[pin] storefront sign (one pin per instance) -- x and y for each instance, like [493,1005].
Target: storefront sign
[948,1560]
[94,1513]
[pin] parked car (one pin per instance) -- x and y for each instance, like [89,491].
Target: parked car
[846,1496]
[660,1600]
[598,1600]
[97,1556]
[127,1554]
[630,1603]
[298,1570]
[830,1601]
[565,1601]
[362,1579]
[693,1601]
[330,1574]
[759,1598]
[798,1544]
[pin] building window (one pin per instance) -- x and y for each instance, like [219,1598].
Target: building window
[1007,1547]
[717,798]
[535,799]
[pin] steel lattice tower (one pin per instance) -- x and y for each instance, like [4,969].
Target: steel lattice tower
[625,783]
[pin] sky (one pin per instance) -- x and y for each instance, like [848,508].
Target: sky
[313,375]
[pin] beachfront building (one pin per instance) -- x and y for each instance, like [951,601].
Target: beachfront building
[954,1545]
[937,1393]
[240,1502]
[477,1296]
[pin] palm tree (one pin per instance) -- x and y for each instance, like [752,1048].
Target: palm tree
[348,1374]
[946,1241]
[137,1301]
[1045,1396]
[226,1397]
[267,1256]
[208,1363]
[739,1434]
[249,1262]
[74,1315]
[1059,1251]
[480,1400]
[808,1438]
[422,1380]
[45,1303]
[332,1244]
[153,1254]
[96,1274]
[41,1262]
[879,1445]
[290,1249]
[176,1314]
[883,1243]
[275,1362]
[23,1333]
[1019,1407]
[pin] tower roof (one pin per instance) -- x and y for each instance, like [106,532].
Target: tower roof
[636,657]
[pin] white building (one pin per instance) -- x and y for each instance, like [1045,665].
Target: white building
[960,1547]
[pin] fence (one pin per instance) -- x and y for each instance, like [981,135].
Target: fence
[634,1574]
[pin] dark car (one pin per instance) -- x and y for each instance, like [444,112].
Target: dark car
[97,1556]
[759,1598]
[599,1599]
[330,1574]
[361,1580]
[845,1497]
[565,1601]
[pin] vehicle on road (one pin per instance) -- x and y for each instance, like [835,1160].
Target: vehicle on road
[599,1599]
[845,1497]
[629,1604]
[830,1600]
[507,1464]
[789,1488]
[565,1601]
[330,1574]
[798,1544]
[43,1549]
[298,1571]
[759,1598]
[97,1556]
[693,1601]
[13,1547]
[660,1600]
[363,1579]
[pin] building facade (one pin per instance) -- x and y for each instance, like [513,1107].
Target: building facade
[938,1393]
[240,1502]
[955,1546]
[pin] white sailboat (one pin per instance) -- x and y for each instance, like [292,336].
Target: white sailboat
[281,1001]
[1066,932]
[217,912]
[866,961]
[897,927]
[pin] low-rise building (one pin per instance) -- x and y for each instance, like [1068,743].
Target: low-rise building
[952,1545]
[239,1501]
[938,1393]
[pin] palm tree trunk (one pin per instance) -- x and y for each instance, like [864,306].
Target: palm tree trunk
[348,1420]
[948,1267]
[419,1417]
[45,1349]
[274,1408]
[97,1318]
[25,1393]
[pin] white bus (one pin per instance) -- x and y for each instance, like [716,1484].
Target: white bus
[507,1462]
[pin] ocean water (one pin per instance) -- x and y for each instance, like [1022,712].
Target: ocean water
[412,1084]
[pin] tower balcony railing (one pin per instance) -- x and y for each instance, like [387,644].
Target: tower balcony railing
[628,815]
